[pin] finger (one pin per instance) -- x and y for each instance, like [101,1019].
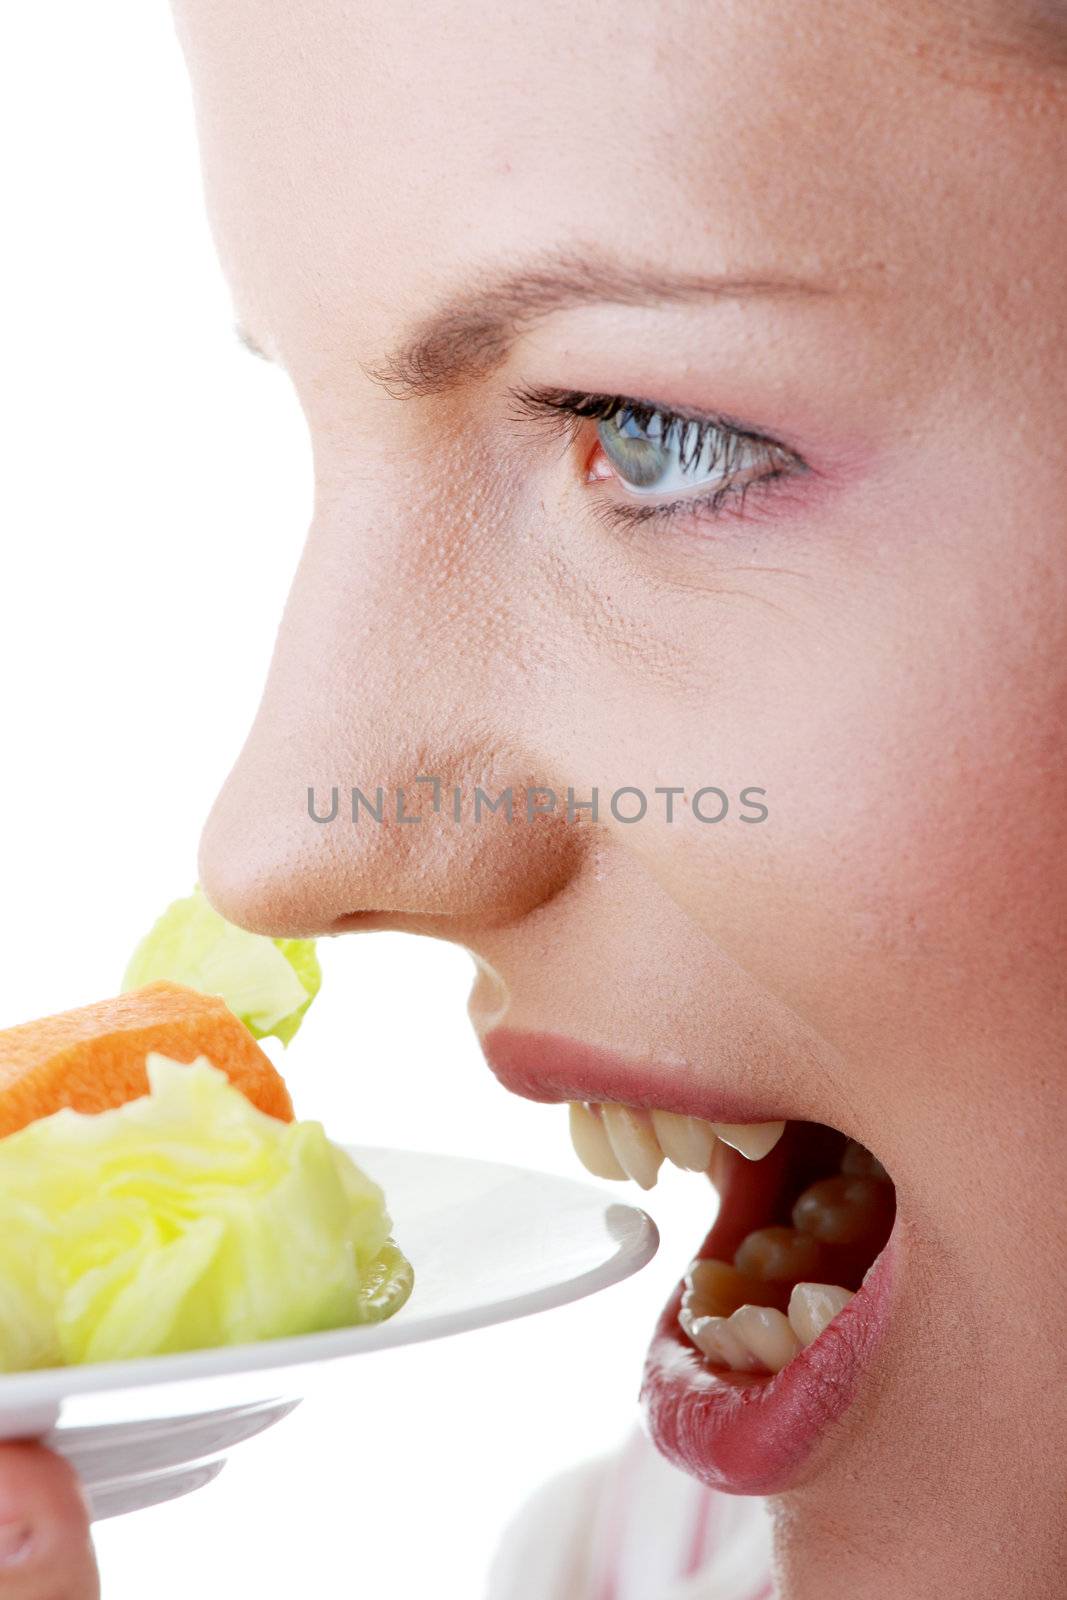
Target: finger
[45,1549]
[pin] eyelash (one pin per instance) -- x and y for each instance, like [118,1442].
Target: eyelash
[566,409]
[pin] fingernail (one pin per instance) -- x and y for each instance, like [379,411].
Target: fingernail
[15,1541]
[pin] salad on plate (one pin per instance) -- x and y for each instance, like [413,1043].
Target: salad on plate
[157,1192]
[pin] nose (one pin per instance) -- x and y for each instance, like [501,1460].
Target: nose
[395,695]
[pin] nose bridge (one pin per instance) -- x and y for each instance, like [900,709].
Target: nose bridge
[385,773]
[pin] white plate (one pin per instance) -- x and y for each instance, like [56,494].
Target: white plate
[488,1243]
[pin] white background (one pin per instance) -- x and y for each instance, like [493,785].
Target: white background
[152,502]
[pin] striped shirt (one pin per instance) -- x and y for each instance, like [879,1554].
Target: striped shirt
[632,1527]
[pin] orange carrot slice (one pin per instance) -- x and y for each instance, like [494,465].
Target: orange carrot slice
[94,1058]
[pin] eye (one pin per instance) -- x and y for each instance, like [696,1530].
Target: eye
[651,451]
[665,454]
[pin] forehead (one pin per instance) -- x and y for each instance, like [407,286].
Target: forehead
[366,153]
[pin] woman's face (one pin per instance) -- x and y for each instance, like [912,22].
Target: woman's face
[841,228]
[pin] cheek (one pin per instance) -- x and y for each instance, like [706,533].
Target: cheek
[908,884]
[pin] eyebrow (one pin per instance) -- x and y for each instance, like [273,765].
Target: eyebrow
[469,335]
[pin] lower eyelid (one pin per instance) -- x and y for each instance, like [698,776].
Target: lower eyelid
[742,504]
[782,464]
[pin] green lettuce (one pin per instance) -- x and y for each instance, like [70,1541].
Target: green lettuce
[184,1220]
[268,983]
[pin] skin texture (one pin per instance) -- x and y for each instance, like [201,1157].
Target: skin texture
[880,644]
[45,1552]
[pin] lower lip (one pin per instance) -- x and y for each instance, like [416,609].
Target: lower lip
[748,1434]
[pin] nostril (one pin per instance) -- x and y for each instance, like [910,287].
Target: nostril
[372,922]
[455,927]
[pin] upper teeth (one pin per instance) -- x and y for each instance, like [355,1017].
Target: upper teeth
[687,1141]
[591,1144]
[634,1142]
[617,1141]
[753,1139]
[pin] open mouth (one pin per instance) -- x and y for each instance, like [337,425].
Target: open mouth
[796,1234]
[764,1341]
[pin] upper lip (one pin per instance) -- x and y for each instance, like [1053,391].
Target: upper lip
[550,1066]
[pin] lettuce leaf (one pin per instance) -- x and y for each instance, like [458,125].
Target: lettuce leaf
[268,983]
[183,1220]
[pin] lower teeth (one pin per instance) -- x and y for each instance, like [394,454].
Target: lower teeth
[756,1313]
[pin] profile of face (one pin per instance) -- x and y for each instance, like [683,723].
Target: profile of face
[689,414]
